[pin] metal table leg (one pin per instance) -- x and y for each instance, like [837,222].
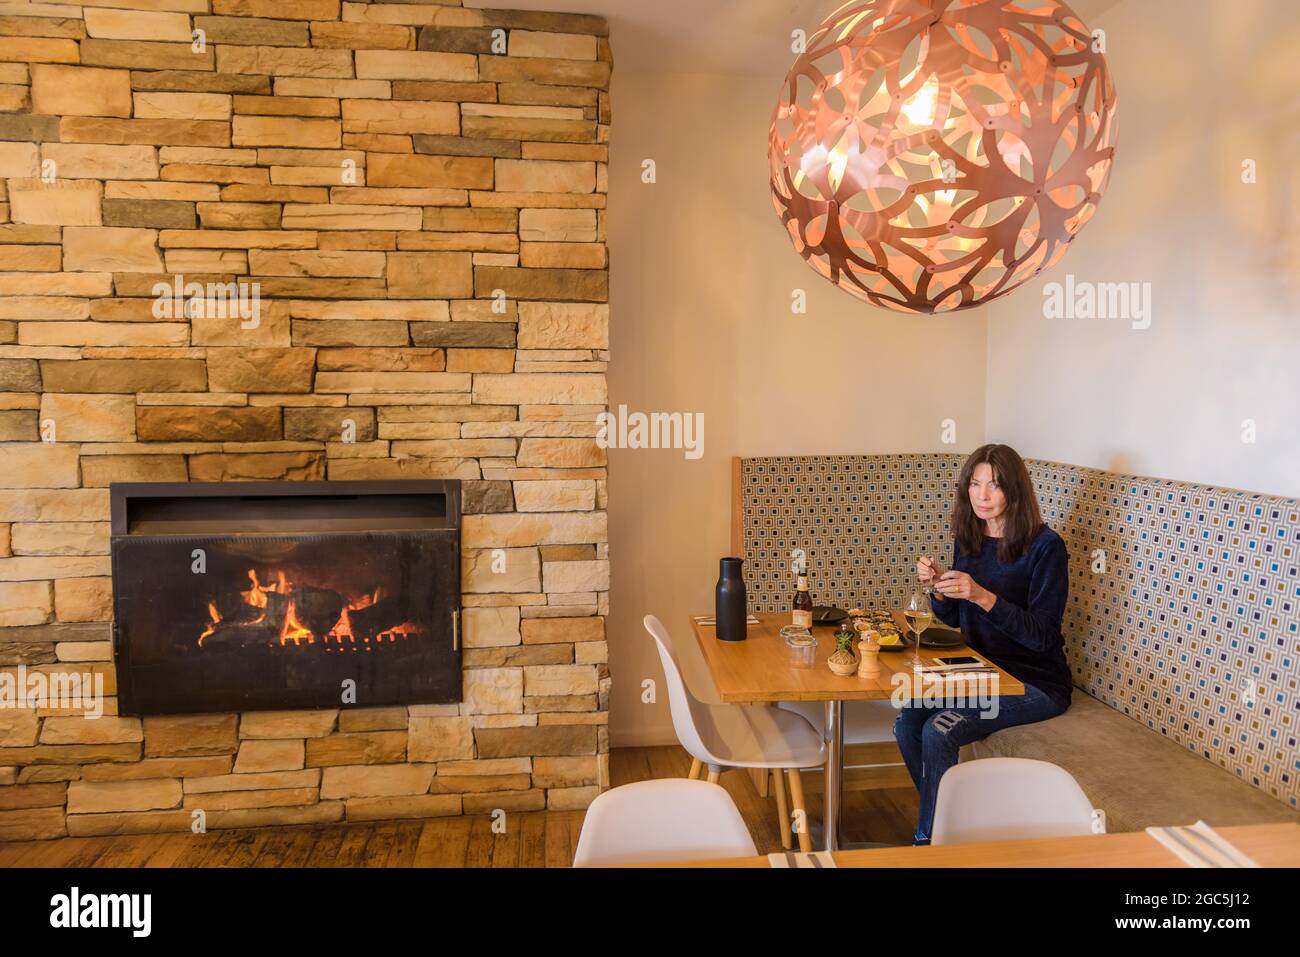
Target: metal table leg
[835,781]
[834,772]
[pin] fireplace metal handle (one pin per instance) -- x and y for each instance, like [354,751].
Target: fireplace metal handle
[455,629]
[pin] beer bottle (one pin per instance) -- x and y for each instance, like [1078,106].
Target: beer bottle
[803,603]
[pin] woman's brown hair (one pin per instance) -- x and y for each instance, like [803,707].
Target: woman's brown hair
[1022,518]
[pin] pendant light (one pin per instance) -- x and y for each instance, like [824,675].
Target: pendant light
[932,155]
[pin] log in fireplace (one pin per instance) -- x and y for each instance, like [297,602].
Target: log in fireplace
[269,595]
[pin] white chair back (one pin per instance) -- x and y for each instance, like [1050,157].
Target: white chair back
[691,719]
[1008,799]
[672,819]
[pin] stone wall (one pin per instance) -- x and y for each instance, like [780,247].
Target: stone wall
[417,191]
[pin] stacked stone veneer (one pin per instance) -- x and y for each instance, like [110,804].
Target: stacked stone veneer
[418,190]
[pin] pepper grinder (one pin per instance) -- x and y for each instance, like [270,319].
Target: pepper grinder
[869,654]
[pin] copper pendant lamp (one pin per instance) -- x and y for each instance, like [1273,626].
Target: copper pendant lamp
[932,155]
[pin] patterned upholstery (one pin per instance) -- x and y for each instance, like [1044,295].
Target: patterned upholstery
[1183,598]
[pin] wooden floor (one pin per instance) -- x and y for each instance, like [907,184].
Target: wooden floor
[535,839]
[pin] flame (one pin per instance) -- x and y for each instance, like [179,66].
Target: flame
[294,633]
[293,629]
[215,617]
[255,596]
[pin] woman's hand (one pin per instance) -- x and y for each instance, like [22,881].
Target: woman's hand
[926,569]
[961,585]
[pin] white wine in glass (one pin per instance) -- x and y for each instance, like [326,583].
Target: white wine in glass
[919,615]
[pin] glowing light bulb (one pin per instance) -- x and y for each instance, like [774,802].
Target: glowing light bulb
[838,162]
[921,108]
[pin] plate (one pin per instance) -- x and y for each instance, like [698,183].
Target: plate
[825,615]
[899,646]
[942,638]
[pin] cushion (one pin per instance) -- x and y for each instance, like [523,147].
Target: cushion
[1138,777]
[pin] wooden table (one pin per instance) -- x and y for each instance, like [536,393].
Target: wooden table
[763,668]
[1269,845]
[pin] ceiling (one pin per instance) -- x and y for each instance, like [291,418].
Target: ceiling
[744,37]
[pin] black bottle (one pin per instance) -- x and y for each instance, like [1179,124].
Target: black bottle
[731,608]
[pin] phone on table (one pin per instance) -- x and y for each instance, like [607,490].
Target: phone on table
[959,660]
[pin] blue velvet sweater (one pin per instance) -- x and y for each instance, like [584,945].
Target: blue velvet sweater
[1022,632]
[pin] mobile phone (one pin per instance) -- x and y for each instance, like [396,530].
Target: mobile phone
[959,660]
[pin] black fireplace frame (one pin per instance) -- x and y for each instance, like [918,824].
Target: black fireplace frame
[424,510]
[121,493]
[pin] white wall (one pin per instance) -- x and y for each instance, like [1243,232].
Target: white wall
[1202,86]
[702,275]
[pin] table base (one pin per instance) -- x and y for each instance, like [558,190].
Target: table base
[834,773]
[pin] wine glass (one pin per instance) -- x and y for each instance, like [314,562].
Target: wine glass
[919,615]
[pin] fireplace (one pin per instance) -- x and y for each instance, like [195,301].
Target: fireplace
[270,595]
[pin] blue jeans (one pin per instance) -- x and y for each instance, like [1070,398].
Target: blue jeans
[931,737]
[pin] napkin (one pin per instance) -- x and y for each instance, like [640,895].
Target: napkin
[1199,845]
[710,620]
[940,671]
[796,859]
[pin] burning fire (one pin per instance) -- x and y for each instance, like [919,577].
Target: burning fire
[342,636]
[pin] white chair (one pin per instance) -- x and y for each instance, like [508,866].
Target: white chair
[865,722]
[1009,799]
[741,736]
[669,819]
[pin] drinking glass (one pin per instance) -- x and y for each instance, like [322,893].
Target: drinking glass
[919,615]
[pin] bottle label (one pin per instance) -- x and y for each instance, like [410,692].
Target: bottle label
[802,619]
[803,583]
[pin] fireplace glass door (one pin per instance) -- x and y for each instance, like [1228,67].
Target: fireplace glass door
[226,622]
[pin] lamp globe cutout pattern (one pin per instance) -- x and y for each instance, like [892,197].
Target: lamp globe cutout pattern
[932,155]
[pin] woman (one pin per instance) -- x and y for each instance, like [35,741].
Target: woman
[1006,591]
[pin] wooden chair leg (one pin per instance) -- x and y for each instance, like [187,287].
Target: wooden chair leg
[696,766]
[714,775]
[796,799]
[782,810]
[759,777]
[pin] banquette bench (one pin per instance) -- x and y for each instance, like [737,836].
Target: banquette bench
[1182,628]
